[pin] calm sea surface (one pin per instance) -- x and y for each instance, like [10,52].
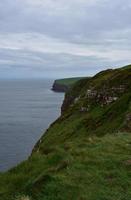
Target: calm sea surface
[27,108]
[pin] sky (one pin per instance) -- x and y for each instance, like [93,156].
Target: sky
[63,38]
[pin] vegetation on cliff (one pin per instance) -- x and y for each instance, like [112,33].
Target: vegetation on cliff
[63,85]
[86,153]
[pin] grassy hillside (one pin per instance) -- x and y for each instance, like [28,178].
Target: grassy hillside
[86,153]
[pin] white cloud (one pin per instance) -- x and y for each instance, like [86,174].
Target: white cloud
[45,44]
[98,30]
[61,4]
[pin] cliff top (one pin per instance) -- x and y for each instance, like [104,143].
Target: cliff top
[68,81]
[63,85]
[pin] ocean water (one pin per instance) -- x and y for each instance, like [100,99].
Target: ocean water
[27,108]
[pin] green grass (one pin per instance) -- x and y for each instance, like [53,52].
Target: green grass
[126,67]
[83,155]
[92,168]
[68,81]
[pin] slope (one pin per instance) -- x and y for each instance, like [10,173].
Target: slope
[86,153]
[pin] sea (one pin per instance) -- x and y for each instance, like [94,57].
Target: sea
[27,108]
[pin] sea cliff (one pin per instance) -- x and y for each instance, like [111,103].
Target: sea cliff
[86,149]
[59,87]
[63,85]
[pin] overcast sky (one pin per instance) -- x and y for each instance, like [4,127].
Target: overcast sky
[61,38]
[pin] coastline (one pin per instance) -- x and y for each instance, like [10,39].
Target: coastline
[28,107]
[57,87]
[64,85]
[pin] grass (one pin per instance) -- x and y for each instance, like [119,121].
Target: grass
[83,155]
[90,168]
[69,81]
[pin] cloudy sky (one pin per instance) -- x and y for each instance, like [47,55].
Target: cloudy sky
[61,38]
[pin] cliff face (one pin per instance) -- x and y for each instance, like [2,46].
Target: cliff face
[87,149]
[58,87]
[64,85]
[103,91]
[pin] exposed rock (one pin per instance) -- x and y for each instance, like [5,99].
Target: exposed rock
[128,118]
[76,99]
[67,102]
[128,162]
[128,121]
[60,87]
[84,109]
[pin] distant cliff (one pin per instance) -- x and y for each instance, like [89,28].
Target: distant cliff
[63,85]
[58,87]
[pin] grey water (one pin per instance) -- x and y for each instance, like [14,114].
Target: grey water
[27,108]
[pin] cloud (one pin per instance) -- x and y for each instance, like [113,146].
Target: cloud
[75,35]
